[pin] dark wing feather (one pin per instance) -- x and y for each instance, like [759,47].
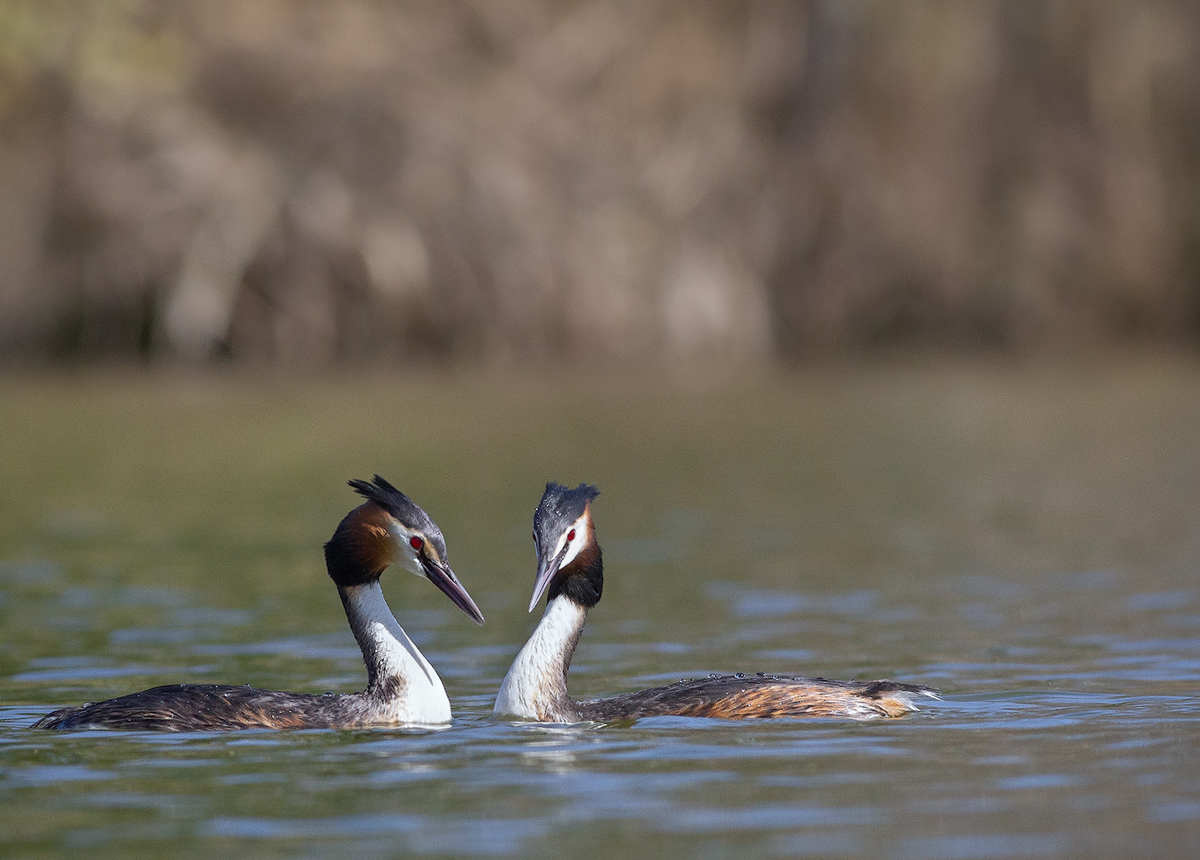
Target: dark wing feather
[204,707]
[742,697]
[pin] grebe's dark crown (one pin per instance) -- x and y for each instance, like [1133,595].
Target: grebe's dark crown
[409,513]
[559,509]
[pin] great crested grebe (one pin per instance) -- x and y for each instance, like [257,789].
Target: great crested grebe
[570,570]
[402,688]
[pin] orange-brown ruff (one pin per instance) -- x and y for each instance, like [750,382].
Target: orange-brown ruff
[571,572]
[402,688]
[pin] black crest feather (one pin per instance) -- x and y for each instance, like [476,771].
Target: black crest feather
[560,506]
[380,491]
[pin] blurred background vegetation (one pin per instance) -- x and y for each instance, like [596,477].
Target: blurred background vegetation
[302,182]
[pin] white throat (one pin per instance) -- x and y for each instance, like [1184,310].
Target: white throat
[414,691]
[535,687]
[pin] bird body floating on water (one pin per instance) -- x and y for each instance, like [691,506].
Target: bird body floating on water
[571,574]
[402,687]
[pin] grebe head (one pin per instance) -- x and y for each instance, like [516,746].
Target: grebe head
[390,528]
[563,534]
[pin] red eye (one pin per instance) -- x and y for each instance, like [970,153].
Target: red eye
[415,542]
[571,535]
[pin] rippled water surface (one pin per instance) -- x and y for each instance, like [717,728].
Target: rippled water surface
[1026,540]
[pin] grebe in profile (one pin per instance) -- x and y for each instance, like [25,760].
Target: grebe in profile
[571,572]
[402,688]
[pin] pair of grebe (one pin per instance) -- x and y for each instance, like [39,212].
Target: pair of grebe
[404,689]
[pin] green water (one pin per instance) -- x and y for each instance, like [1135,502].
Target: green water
[1028,540]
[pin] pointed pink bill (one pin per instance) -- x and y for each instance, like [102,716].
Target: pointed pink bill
[546,572]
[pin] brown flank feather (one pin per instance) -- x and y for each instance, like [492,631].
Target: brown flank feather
[756,697]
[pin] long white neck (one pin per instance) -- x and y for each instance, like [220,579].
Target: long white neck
[401,683]
[535,687]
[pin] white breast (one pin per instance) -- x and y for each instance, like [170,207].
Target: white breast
[422,698]
[536,681]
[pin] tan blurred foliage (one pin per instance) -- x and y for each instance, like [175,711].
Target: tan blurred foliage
[302,181]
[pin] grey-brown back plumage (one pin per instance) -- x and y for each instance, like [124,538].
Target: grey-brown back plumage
[212,707]
[759,697]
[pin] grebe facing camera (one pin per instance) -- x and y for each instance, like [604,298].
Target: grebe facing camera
[571,573]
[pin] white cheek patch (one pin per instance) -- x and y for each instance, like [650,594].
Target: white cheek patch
[574,547]
[406,555]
